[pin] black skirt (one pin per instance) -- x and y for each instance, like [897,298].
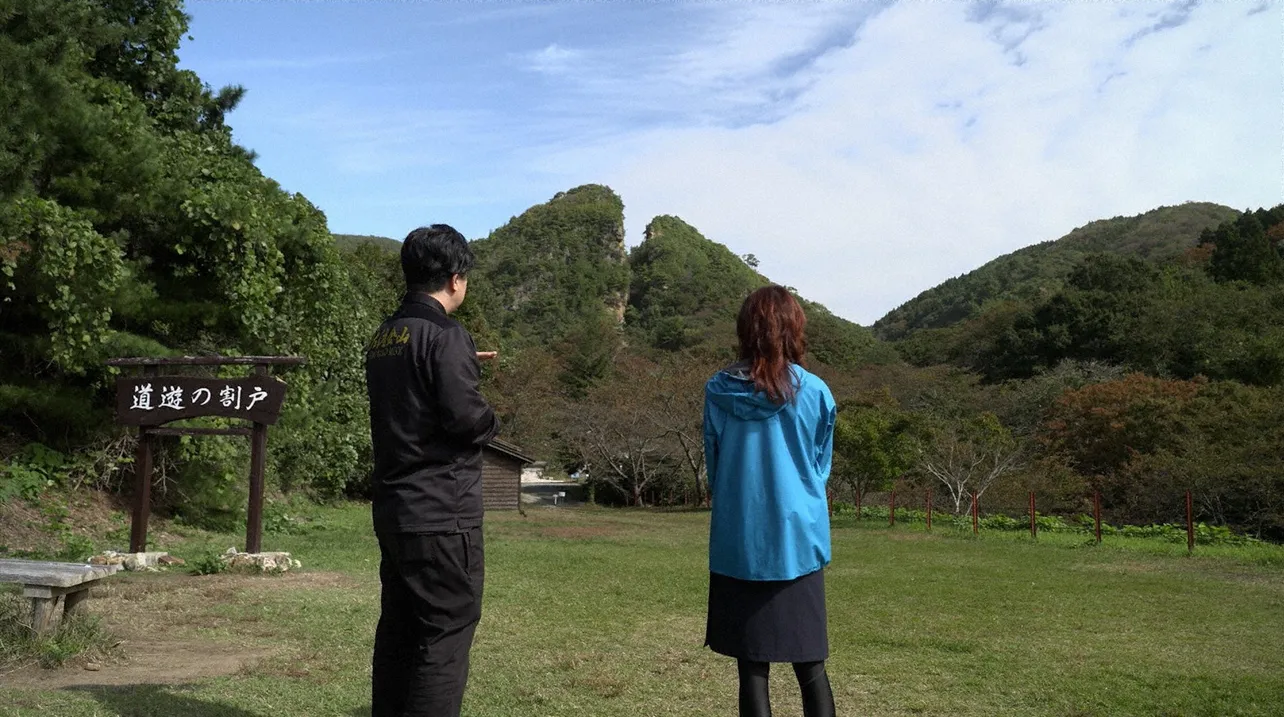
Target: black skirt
[768,620]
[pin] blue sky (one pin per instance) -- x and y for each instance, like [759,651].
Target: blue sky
[864,151]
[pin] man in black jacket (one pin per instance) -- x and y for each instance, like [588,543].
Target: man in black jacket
[428,423]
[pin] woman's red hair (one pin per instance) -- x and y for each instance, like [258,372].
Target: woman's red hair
[770,328]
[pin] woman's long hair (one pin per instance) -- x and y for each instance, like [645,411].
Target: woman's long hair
[770,328]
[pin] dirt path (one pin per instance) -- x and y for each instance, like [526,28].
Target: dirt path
[152,662]
[155,617]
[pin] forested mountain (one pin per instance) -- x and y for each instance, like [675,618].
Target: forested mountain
[554,268]
[1036,272]
[556,271]
[685,289]
[1216,311]
[351,241]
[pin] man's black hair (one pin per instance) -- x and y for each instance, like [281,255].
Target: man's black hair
[431,255]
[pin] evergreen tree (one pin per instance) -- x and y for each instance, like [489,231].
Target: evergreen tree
[1243,253]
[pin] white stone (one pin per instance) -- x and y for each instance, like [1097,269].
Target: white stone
[129,561]
[275,562]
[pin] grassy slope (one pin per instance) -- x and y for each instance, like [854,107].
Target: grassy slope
[601,612]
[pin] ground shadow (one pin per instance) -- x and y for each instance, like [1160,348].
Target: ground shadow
[159,701]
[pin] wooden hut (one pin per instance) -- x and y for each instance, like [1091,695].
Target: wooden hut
[502,465]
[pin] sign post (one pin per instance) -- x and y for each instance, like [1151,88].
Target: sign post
[150,401]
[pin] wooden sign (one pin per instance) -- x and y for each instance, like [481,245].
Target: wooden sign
[154,400]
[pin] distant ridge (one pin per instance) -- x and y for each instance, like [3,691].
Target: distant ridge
[352,241]
[1039,270]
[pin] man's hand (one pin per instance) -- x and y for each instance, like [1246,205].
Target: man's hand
[487,355]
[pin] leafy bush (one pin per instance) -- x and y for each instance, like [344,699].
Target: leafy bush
[281,518]
[322,443]
[102,464]
[63,272]
[208,563]
[131,224]
[1051,523]
[1001,522]
[35,469]
[211,487]
[1204,534]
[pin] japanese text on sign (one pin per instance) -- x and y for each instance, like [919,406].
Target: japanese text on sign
[160,399]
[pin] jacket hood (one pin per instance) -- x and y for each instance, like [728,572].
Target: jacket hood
[733,391]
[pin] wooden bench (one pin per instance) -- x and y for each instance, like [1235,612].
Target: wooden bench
[53,585]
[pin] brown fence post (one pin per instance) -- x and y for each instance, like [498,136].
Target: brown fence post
[142,485]
[891,514]
[976,523]
[929,509]
[258,462]
[1190,523]
[858,497]
[829,500]
[1096,513]
[142,493]
[1034,527]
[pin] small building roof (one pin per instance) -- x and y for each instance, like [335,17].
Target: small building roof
[511,450]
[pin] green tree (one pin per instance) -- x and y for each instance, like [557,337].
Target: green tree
[1227,453]
[131,223]
[873,446]
[1243,252]
[1101,427]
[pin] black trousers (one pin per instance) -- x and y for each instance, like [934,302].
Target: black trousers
[430,605]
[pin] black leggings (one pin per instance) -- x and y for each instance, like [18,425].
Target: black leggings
[755,699]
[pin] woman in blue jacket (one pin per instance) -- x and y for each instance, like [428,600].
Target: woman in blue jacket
[768,441]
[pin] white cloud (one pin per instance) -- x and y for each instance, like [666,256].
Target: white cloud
[945,136]
[724,64]
[553,60]
[759,48]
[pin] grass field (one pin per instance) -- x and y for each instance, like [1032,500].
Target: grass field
[601,612]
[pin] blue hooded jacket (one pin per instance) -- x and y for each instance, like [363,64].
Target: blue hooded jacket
[768,465]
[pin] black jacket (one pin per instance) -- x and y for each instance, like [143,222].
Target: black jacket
[428,421]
